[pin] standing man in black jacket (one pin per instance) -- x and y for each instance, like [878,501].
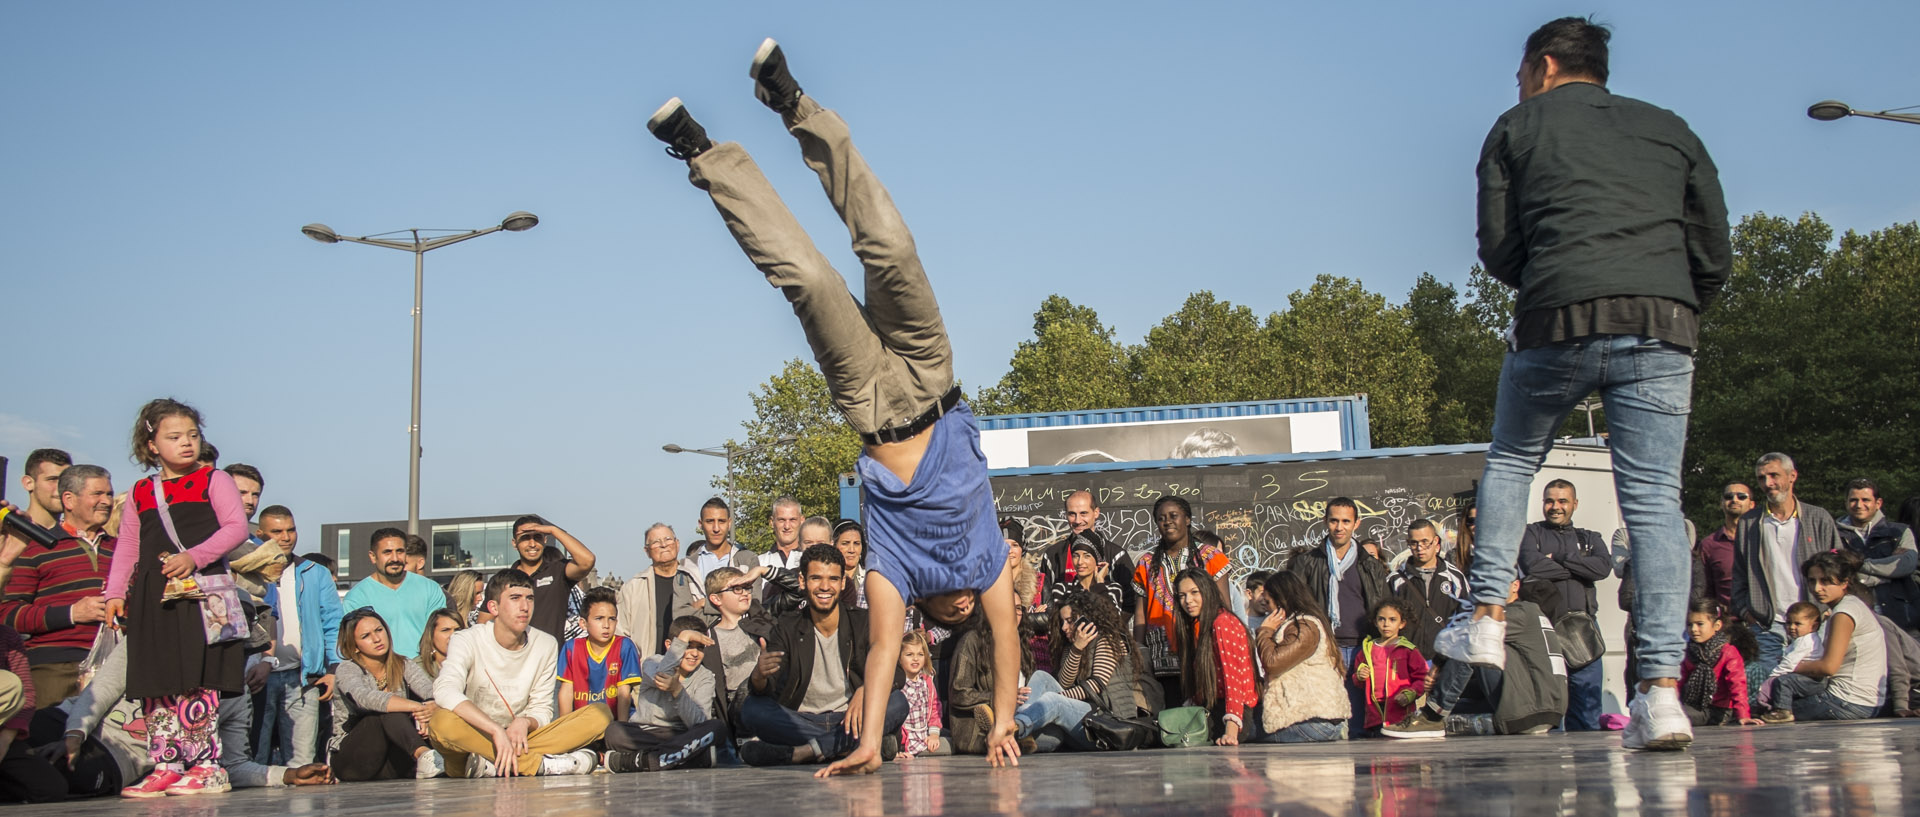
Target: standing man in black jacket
[1572,560]
[1348,581]
[1605,213]
[1436,589]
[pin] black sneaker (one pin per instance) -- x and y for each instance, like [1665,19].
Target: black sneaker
[620,762]
[762,753]
[673,125]
[771,82]
[1416,726]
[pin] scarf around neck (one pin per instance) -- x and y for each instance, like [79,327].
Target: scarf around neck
[1336,570]
[1702,685]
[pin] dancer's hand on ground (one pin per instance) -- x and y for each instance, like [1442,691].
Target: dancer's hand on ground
[864,760]
[1752,722]
[1003,748]
[312,774]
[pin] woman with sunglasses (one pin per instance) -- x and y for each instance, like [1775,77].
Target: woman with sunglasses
[380,715]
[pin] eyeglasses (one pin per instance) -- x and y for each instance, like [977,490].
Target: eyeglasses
[663,542]
[1732,495]
[739,588]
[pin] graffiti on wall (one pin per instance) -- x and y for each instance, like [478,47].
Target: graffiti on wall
[1263,513]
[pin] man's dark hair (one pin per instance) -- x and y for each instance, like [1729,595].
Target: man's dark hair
[1561,483]
[822,553]
[600,595]
[46,455]
[241,469]
[683,624]
[209,455]
[373,543]
[1860,484]
[716,502]
[510,577]
[1257,578]
[529,519]
[1341,502]
[1578,44]
[281,511]
[1417,524]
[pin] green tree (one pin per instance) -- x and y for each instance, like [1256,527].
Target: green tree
[1466,352]
[1209,351]
[1073,363]
[1811,351]
[1338,338]
[794,403]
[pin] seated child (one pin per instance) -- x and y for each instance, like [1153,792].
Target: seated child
[1713,675]
[1391,668]
[1803,626]
[920,735]
[599,667]
[672,724]
[888,364]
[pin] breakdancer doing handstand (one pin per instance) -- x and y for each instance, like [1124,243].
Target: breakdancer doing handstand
[929,511]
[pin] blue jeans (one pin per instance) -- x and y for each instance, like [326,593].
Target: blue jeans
[1356,694]
[1047,705]
[1456,677]
[1647,388]
[1584,698]
[780,726]
[1810,700]
[290,720]
[1317,730]
[1773,645]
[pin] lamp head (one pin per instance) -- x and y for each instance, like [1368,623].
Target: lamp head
[671,448]
[519,221]
[1829,110]
[321,233]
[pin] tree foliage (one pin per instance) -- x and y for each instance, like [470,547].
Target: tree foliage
[794,403]
[1812,350]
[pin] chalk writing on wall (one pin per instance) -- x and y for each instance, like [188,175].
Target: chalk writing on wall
[1264,513]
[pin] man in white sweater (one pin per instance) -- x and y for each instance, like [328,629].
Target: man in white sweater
[496,695]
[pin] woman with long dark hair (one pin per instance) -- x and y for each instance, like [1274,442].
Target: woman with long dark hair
[1849,681]
[1153,576]
[1097,659]
[380,716]
[1216,667]
[1305,700]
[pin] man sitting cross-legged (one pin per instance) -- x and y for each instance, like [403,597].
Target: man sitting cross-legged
[496,694]
[810,682]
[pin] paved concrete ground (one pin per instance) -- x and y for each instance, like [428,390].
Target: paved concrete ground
[1806,771]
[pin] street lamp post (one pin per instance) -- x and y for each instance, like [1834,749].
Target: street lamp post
[727,452]
[419,245]
[1830,110]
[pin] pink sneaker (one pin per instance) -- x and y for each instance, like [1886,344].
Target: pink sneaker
[201,780]
[155,784]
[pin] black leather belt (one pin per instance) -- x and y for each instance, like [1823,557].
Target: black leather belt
[918,424]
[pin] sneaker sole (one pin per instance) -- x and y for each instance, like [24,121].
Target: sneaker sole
[198,791]
[1413,735]
[659,116]
[760,56]
[144,795]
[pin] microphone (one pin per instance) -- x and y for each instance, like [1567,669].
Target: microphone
[25,527]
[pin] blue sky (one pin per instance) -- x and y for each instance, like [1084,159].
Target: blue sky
[160,158]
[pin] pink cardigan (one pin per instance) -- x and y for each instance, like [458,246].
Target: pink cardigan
[225,498]
[1730,681]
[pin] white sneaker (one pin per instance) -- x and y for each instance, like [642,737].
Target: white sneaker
[1657,722]
[429,765]
[580,762]
[480,767]
[1487,643]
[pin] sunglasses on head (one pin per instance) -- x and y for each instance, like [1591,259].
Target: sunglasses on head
[1733,495]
